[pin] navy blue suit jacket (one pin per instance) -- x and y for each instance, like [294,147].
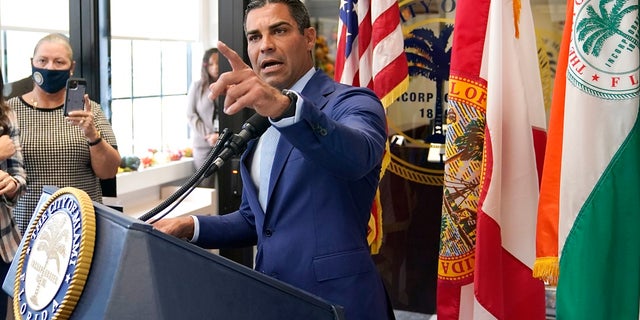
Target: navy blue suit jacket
[313,234]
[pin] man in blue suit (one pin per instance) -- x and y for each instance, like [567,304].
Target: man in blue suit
[310,180]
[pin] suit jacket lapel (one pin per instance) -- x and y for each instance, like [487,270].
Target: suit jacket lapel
[316,90]
[245,171]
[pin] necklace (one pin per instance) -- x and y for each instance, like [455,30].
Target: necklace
[34,103]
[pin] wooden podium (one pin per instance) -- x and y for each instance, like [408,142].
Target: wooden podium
[138,272]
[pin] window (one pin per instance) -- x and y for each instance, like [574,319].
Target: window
[22,24]
[151,69]
[150,79]
[152,63]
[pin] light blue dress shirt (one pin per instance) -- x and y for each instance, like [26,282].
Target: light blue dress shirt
[265,150]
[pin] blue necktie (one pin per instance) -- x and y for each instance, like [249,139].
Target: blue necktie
[267,153]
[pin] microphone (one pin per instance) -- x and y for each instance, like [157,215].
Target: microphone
[252,128]
[234,145]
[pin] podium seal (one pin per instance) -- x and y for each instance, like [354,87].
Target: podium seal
[56,257]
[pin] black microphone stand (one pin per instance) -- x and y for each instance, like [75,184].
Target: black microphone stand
[207,169]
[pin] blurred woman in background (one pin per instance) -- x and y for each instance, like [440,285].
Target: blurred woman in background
[202,113]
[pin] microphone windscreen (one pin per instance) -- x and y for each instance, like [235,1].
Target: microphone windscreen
[258,125]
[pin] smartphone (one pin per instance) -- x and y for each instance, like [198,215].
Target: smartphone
[74,100]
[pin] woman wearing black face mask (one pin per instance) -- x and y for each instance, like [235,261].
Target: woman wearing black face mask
[73,151]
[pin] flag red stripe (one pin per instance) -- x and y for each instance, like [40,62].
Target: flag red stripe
[448,300]
[503,285]
[512,300]
[397,69]
[364,34]
[356,80]
[470,17]
[539,143]
[340,57]
[384,25]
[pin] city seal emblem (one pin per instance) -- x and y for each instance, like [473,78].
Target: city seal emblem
[604,49]
[56,257]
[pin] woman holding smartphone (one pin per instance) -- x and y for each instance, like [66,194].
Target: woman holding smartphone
[63,151]
[12,184]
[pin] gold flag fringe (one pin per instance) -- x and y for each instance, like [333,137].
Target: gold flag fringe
[547,269]
[375,232]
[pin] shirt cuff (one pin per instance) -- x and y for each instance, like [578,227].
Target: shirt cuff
[284,122]
[196,229]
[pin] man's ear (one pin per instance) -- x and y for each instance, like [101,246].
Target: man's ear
[310,36]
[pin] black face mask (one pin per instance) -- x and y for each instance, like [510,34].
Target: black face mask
[50,81]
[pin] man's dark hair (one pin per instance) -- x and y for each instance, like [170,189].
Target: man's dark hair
[297,10]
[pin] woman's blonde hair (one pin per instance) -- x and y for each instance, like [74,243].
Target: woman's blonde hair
[56,38]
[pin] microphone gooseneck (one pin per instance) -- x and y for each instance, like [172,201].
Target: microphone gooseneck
[254,127]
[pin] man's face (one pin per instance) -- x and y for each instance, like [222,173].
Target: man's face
[279,54]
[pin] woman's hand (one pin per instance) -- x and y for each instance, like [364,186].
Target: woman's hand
[7,147]
[85,121]
[8,185]
[212,138]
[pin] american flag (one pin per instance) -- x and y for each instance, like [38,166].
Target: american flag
[371,54]
[371,48]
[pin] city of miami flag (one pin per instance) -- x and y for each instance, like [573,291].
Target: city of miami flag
[588,241]
[494,146]
[371,54]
